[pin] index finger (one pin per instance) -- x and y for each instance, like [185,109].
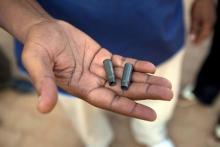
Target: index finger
[139,65]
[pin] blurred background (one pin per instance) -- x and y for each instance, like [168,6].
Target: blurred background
[22,126]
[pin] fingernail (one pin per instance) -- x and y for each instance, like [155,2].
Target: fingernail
[192,37]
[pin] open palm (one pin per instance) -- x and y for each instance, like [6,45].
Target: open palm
[56,53]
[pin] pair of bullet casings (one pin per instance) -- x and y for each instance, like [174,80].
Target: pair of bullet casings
[126,77]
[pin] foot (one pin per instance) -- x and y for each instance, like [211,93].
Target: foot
[187,93]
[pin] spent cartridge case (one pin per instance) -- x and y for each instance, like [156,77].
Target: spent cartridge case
[126,77]
[109,72]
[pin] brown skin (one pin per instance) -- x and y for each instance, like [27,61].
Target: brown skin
[203,16]
[58,54]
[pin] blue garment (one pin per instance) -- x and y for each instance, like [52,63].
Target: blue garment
[145,29]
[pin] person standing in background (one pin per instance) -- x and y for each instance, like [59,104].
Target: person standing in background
[207,84]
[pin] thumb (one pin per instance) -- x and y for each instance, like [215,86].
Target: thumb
[39,66]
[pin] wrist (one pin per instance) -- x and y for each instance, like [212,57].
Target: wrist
[25,29]
[18,16]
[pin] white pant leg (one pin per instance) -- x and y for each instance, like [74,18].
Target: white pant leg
[150,133]
[89,121]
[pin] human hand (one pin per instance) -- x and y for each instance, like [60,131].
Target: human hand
[56,53]
[202,20]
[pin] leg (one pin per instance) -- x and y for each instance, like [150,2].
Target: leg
[208,80]
[152,133]
[90,122]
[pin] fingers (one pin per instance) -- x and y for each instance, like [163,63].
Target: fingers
[144,86]
[142,91]
[204,33]
[194,30]
[37,63]
[203,18]
[145,78]
[136,76]
[199,31]
[119,61]
[107,99]
[139,66]
[97,66]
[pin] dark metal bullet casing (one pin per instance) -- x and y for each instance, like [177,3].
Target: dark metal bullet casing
[126,77]
[109,72]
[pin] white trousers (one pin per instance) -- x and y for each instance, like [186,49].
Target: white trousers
[94,128]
